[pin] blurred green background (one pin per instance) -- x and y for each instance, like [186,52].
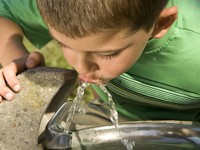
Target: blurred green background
[54,58]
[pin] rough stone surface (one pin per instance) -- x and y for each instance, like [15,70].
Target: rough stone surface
[42,88]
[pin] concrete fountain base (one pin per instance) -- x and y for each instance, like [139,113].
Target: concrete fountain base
[44,89]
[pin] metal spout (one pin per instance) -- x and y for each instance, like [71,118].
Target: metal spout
[56,136]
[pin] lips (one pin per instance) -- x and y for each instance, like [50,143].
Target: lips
[85,79]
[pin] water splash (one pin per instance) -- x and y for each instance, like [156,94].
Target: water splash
[76,104]
[114,118]
[129,144]
[76,107]
[113,112]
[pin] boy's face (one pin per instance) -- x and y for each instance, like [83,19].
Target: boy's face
[103,56]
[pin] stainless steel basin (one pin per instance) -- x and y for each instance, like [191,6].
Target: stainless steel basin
[139,135]
[147,135]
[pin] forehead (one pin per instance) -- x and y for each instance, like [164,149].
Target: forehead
[98,39]
[120,33]
[113,39]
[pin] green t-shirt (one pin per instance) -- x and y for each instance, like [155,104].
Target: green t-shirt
[164,83]
[26,14]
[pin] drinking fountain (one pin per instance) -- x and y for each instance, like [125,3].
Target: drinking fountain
[46,90]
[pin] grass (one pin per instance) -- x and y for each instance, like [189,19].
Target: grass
[54,58]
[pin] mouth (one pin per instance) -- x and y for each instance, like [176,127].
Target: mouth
[93,81]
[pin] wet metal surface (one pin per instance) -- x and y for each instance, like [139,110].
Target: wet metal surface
[174,135]
[56,136]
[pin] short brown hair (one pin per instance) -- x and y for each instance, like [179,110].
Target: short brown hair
[78,18]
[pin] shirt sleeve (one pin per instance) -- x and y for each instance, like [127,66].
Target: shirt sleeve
[27,16]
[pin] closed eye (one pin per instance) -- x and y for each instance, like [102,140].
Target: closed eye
[109,56]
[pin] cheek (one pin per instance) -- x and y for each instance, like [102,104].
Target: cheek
[117,66]
[121,64]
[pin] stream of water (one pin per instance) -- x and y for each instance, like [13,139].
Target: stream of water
[76,103]
[114,118]
[113,112]
[76,107]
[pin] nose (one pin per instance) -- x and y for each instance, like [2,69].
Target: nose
[85,64]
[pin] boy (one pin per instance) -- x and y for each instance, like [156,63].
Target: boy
[137,47]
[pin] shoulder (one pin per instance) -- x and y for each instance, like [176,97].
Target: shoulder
[15,9]
[26,14]
[20,11]
[188,14]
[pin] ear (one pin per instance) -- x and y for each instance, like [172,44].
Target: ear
[164,21]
